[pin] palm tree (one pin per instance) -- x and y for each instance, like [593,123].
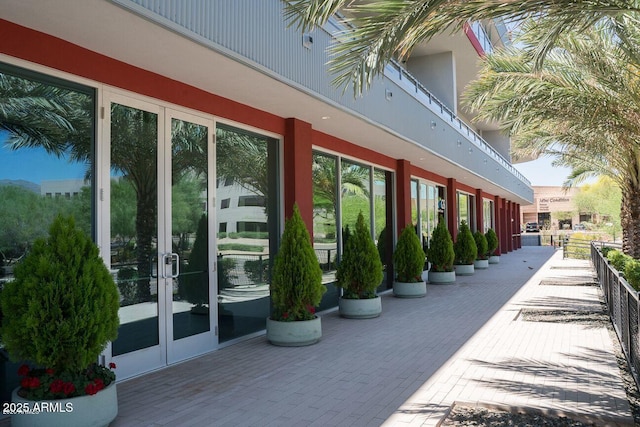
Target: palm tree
[243,158]
[381,30]
[35,114]
[582,107]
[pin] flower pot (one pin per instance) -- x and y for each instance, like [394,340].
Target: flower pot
[409,290]
[438,277]
[366,308]
[494,259]
[90,410]
[463,269]
[481,264]
[294,334]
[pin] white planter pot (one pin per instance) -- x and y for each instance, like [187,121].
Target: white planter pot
[425,275]
[366,308]
[294,334]
[442,277]
[97,410]
[495,259]
[481,264]
[464,269]
[409,290]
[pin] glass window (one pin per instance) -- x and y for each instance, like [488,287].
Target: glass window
[382,218]
[414,203]
[252,200]
[355,182]
[325,208]
[341,190]
[47,135]
[224,204]
[466,209]
[487,214]
[431,200]
[248,163]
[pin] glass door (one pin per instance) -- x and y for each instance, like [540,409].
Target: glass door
[158,196]
[188,254]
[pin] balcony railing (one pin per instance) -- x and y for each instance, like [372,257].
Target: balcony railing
[400,76]
[411,85]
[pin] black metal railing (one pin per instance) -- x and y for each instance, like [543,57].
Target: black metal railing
[623,306]
[577,248]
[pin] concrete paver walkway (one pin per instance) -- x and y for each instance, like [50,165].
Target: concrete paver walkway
[463,342]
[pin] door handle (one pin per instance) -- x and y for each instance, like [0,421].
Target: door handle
[170,259]
[177,263]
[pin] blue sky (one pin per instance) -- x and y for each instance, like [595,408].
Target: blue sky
[541,173]
[35,165]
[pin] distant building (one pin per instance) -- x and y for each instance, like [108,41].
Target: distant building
[553,208]
[66,188]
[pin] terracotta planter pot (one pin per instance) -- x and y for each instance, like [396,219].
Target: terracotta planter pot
[366,308]
[409,290]
[294,334]
[95,410]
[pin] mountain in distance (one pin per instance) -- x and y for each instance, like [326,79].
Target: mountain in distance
[28,185]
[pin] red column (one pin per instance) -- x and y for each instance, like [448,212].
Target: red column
[403,193]
[497,223]
[509,226]
[518,227]
[452,207]
[479,211]
[504,236]
[298,159]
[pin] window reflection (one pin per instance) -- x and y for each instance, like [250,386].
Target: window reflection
[46,168]
[247,224]
[325,205]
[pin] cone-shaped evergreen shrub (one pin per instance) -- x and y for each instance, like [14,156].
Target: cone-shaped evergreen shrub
[492,241]
[408,257]
[195,281]
[440,253]
[296,284]
[481,244]
[62,307]
[360,270]
[465,247]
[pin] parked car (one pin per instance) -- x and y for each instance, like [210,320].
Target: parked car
[532,227]
[579,227]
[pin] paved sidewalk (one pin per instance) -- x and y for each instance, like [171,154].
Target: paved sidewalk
[463,342]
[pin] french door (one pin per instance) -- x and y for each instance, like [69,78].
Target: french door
[161,170]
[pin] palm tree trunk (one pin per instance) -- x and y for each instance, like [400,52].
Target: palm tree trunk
[630,220]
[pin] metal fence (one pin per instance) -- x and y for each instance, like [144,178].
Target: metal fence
[623,306]
[576,248]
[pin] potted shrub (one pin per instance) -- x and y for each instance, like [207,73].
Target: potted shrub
[60,311]
[441,255]
[359,274]
[466,251]
[408,259]
[482,259]
[492,243]
[296,288]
